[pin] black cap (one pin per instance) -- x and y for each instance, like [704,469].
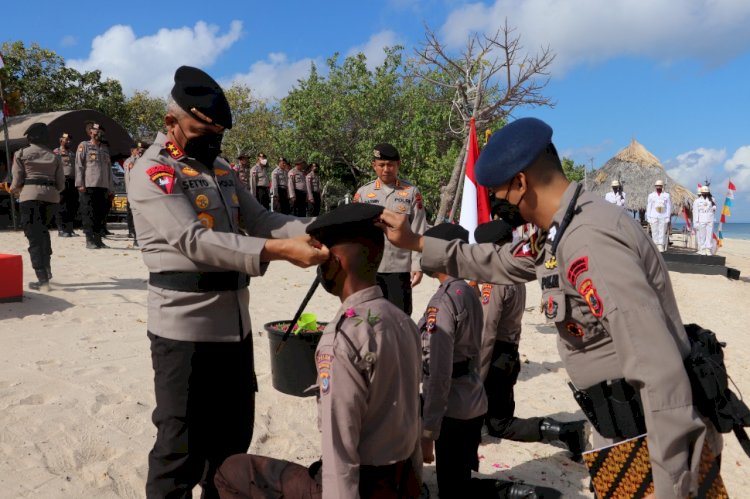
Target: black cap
[448,232]
[299,161]
[37,131]
[199,94]
[243,154]
[385,151]
[346,223]
[94,125]
[497,231]
[261,155]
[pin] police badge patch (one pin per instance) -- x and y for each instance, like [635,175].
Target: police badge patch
[431,321]
[591,297]
[324,361]
[486,292]
[162,176]
[550,308]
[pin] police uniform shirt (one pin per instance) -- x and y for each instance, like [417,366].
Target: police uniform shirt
[368,362]
[127,165]
[312,183]
[402,198]
[279,181]
[615,198]
[258,178]
[68,161]
[659,205]
[296,182]
[451,330]
[94,166]
[189,218]
[609,294]
[38,163]
[703,211]
[503,307]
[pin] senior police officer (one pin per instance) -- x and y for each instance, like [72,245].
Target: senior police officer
[607,290]
[399,271]
[243,169]
[190,215]
[368,374]
[38,178]
[260,181]
[94,182]
[279,187]
[66,214]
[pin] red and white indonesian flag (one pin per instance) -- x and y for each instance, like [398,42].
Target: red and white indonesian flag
[475,200]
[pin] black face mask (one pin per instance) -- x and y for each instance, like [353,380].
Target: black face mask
[328,283]
[509,213]
[205,148]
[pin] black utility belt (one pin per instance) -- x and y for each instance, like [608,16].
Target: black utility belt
[614,408]
[199,282]
[461,368]
[36,181]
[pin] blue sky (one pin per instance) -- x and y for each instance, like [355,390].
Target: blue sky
[673,74]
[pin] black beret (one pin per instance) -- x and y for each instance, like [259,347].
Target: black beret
[37,131]
[261,155]
[385,151]
[512,149]
[345,223]
[494,232]
[448,232]
[94,125]
[243,154]
[200,95]
[299,161]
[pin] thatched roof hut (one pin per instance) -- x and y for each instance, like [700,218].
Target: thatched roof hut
[637,170]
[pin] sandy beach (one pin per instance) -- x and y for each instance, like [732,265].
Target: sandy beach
[76,390]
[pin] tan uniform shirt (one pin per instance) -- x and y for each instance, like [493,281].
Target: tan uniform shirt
[37,162]
[259,178]
[451,330]
[612,301]
[279,181]
[312,182]
[127,166]
[190,218]
[403,198]
[68,161]
[94,166]
[368,370]
[503,307]
[296,182]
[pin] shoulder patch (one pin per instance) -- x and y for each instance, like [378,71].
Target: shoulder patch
[81,147]
[486,292]
[162,176]
[418,200]
[431,321]
[578,267]
[323,362]
[591,297]
[356,198]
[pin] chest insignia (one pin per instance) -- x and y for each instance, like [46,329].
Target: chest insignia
[591,297]
[92,156]
[206,220]
[220,172]
[162,176]
[574,329]
[190,171]
[577,268]
[402,208]
[201,201]
[550,308]
[372,195]
[235,199]
[431,321]
[551,263]
[403,194]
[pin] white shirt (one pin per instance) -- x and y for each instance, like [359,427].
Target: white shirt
[618,199]
[703,211]
[659,205]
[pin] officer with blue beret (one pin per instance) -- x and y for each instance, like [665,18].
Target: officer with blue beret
[606,289]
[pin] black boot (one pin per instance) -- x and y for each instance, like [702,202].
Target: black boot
[49,273]
[91,242]
[98,242]
[573,434]
[42,280]
[62,233]
[511,490]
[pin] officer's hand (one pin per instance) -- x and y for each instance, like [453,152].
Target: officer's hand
[398,231]
[416,278]
[81,189]
[428,450]
[302,251]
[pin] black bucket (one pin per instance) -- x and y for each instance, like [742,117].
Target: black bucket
[293,369]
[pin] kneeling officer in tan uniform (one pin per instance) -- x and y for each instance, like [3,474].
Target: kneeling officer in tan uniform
[202,237]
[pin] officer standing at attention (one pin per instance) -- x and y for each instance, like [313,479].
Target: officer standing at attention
[279,187]
[312,181]
[658,213]
[243,169]
[66,215]
[606,288]
[298,189]
[135,152]
[368,375]
[260,181]
[503,307]
[190,213]
[38,177]
[399,271]
[704,210]
[616,196]
[94,182]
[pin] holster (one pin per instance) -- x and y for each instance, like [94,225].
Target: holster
[614,408]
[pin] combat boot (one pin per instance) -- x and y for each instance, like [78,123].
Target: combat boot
[42,284]
[573,434]
[91,242]
[503,489]
[98,241]
[49,273]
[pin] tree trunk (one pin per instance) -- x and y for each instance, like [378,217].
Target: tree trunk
[448,192]
[459,189]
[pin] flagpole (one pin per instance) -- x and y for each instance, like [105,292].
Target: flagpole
[7,155]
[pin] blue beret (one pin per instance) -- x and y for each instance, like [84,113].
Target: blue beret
[346,223]
[448,232]
[511,150]
[199,94]
[493,232]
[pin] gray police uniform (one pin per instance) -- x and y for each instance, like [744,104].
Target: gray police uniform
[66,214]
[128,165]
[610,296]
[297,191]
[394,275]
[454,398]
[312,181]
[191,223]
[259,185]
[93,170]
[38,174]
[279,187]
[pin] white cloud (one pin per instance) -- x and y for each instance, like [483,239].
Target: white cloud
[738,168]
[373,49]
[593,31]
[149,62]
[694,167]
[68,41]
[274,77]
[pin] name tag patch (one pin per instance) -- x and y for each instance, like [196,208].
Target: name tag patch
[550,281]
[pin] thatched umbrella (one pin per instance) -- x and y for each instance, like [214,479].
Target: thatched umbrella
[638,170]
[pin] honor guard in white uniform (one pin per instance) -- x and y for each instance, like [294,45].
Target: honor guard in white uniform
[617,196]
[658,213]
[704,211]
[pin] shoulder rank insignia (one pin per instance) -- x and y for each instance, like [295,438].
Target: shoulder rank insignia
[162,176]
[431,321]
[591,297]
[174,151]
[486,292]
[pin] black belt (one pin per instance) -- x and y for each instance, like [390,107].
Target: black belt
[36,181]
[461,368]
[199,282]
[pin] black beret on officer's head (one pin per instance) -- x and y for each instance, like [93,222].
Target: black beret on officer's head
[37,132]
[199,94]
[448,232]
[385,151]
[93,125]
[512,149]
[347,223]
[496,231]
[243,154]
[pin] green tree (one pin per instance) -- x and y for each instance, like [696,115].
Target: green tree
[255,125]
[144,115]
[574,172]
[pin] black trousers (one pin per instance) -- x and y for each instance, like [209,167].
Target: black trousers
[313,209]
[131,224]
[263,196]
[66,215]
[35,219]
[456,455]
[95,205]
[396,287]
[205,404]
[300,204]
[284,206]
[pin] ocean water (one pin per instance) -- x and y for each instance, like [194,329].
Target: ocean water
[729,231]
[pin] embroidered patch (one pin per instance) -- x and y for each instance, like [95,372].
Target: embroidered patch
[431,319]
[578,267]
[221,173]
[92,156]
[371,195]
[523,251]
[486,292]
[206,220]
[403,194]
[402,208]
[173,150]
[591,297]
[235,199]
[81,148]
[418,199]
[551,263]
[201,201]
[550,308]
[190,171]
[550,281]
[574,329]
[324,361]
[356,198]
[163,176]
